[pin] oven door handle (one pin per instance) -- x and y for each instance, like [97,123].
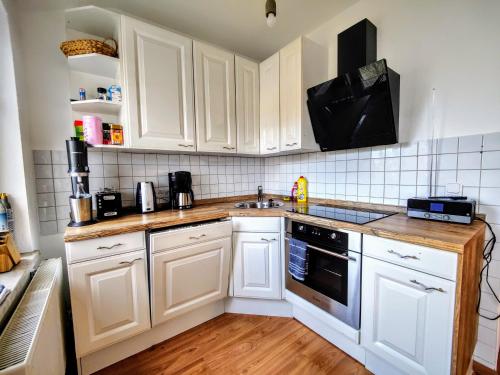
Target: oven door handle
[344,257]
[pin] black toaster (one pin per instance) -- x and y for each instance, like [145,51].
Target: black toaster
[109,204]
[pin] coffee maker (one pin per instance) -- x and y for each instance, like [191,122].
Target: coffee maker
[80,201]
[180,193]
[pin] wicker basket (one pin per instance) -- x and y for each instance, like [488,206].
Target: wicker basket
[85,46]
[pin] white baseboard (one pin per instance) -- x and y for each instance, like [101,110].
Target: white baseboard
[258,307]
[378,366]
[106,357]
[338,333]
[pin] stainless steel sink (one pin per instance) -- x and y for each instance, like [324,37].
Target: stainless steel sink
[263,204]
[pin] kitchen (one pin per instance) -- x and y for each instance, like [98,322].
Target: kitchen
[234,114]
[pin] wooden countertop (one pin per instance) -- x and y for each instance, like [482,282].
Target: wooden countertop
[444,236]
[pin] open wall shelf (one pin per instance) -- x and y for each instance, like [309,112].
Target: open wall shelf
[95,63]
[96,106]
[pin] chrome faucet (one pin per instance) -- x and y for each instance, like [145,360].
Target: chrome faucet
[260,194]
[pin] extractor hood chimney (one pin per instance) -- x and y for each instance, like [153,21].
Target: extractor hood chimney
[357,47]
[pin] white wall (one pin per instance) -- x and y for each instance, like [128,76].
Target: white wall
[15,169]
[41,28]
[37,28]
[450,45]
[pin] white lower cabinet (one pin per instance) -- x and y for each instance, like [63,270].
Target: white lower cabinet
[109,300]
[256,265]
[189,277]
[407,318]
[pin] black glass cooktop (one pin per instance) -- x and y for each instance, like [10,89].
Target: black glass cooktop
[350,215]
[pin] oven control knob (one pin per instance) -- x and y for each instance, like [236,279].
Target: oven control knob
[301,228]
[333,236]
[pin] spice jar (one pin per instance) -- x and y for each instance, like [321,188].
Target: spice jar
[116,134]
[106,133]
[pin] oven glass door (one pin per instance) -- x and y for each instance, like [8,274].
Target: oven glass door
[327,273]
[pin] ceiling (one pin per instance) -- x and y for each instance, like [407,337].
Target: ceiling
[238,25]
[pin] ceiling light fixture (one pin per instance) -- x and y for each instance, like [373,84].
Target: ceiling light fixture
[270,12]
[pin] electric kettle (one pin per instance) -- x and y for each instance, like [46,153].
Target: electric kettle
[145,197]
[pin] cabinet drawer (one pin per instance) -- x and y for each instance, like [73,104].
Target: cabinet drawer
[256,224]
[435,262]
[185,236]
[105,246]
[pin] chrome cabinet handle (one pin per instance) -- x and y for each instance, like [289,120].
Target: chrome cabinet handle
[109,247]
[130,261]
[182,145]
[265,239]
[428,288]
[197,238]
[291,144]
[228,148]
[326,252]
[271,148]
[403,256]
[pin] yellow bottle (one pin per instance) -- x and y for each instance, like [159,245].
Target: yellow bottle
[301,190]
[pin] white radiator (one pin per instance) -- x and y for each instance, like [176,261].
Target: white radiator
[32,342]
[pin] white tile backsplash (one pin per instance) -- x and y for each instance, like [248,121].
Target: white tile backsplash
[42,157]
[490,178]
[213,176]
[491,142]
[447,145]
[490,159]
[95,157]
[470,143]
[470,160]
[409,149]
[453,160]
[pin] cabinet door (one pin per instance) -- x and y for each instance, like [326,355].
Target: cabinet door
[158,67]
[256,265]
[109,300]
[291,96]
[270,105]
[247,105]
[189,277]
[214,98]
[404,323]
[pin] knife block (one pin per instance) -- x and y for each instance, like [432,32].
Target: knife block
[9,255]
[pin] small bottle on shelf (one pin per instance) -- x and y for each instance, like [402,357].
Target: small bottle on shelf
[101,93]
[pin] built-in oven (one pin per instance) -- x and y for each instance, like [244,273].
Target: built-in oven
[333,278]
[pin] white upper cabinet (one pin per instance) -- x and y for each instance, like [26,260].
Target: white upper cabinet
[270,105]
[303,64]
[407,317]
[247,105]
[214,98]
[158,77]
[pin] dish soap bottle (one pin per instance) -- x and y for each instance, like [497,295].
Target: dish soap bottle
[302,190]
[293,195]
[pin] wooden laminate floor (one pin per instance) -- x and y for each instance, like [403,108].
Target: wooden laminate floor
[242,344]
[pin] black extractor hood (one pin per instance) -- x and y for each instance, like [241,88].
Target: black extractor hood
[360,107]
